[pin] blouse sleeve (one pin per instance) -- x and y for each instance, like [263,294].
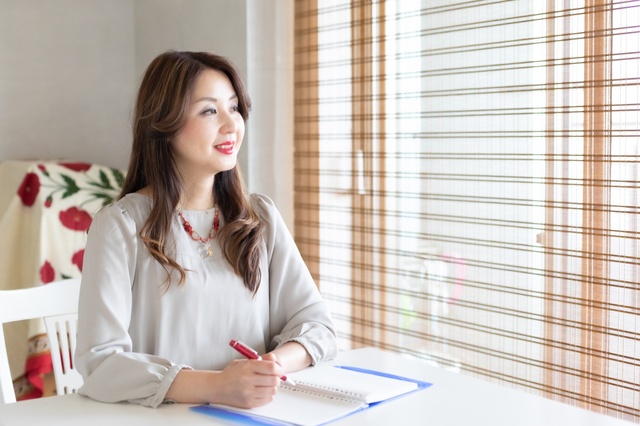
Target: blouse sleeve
[297,310]
[104,357]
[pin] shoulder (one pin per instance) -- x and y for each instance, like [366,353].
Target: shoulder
[130,211]
[265,208]
[275,230]
[262,203]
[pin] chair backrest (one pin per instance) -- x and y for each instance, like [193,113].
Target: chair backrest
[57,304]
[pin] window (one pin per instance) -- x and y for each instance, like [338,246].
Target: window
[467,186]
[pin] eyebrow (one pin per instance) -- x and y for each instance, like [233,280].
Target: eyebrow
[211,99]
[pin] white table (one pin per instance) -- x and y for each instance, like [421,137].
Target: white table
[453,399]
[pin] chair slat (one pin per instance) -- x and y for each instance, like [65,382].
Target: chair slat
[57,304]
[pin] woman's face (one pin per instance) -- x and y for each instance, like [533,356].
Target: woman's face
[210,139]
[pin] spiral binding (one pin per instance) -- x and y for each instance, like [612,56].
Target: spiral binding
[335,394]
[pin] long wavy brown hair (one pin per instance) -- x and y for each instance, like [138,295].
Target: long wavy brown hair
[161,111]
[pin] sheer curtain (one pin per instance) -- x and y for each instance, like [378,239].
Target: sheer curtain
[466,186]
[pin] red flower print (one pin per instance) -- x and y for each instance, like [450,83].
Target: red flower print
[77,167]
[48,201]
[78,259]
[75,219]
[29,189]
[47,274]
[43,169]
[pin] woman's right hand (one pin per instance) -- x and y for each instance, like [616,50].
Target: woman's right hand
[242,383]
[249,383]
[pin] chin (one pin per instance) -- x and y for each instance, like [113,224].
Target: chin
[226,167]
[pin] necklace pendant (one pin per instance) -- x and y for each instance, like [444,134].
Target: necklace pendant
[206,251]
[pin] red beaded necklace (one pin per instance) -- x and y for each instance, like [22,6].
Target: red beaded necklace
[196,237]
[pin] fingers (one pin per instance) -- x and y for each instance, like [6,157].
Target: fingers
[251,383]
[269,365]
[272,357]
[254,372]
[259,392]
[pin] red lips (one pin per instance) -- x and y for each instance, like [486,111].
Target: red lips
[225,147]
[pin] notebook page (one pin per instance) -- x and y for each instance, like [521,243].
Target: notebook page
[302,407]
[369,388]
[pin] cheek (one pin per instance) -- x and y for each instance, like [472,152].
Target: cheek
[189,133]
[240,132]
[193,139]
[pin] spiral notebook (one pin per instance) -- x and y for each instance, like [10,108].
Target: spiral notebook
[322,394]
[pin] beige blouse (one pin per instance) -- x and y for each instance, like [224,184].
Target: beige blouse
[135,333]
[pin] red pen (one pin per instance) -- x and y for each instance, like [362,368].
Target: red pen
[249,353]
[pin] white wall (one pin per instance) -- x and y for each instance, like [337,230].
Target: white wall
[218,26]
[66,79]
[69,71]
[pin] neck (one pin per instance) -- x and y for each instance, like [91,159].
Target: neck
[196,197]
[192,204]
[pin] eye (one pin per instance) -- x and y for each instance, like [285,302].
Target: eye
[209,111]
[235,108]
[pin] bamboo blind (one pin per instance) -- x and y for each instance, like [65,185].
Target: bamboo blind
[467,186]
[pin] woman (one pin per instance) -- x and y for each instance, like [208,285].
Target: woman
[184,261]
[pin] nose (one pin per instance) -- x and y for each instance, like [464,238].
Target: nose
[229,123]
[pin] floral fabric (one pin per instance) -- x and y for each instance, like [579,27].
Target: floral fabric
[44,226]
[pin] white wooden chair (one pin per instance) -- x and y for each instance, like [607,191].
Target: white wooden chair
[57,304]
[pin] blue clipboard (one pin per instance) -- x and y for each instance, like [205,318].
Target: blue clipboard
[248,419]
[235,417]
[421,385]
